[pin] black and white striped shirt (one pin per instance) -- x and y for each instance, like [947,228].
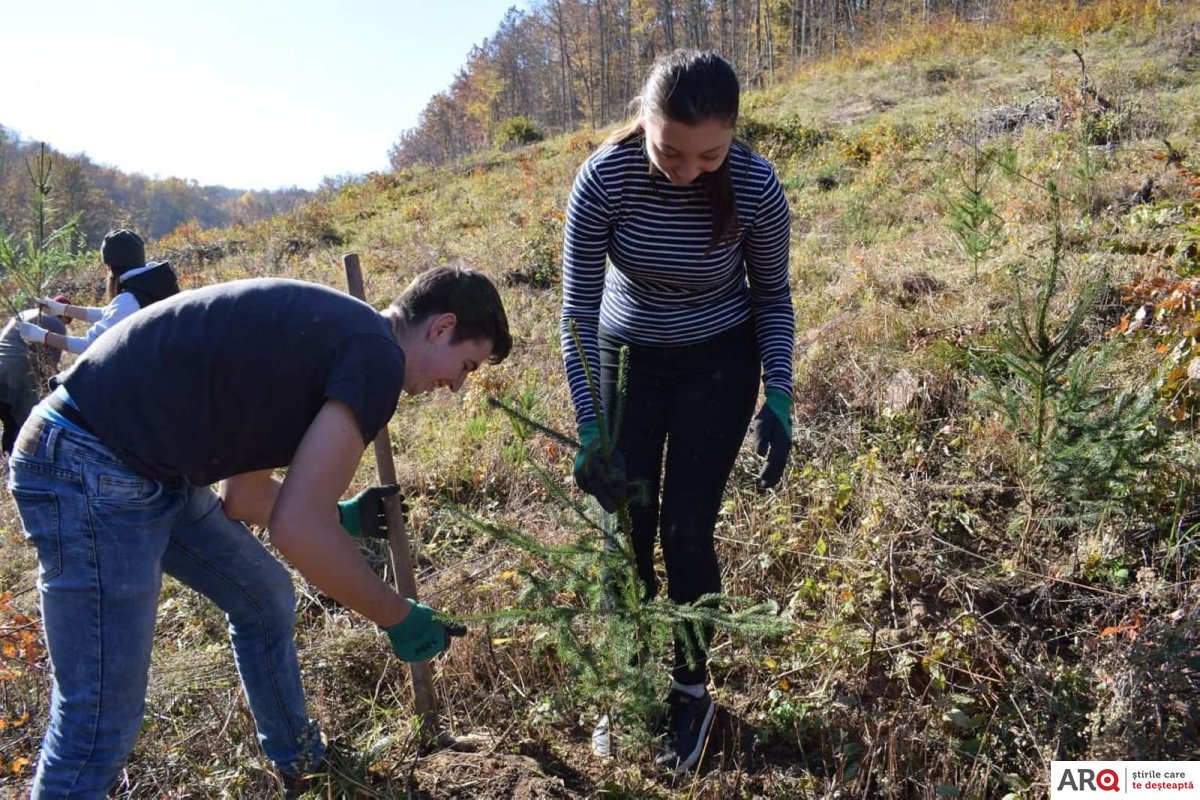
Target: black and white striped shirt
[665,286]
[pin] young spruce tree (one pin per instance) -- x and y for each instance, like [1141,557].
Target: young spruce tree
[1088,442]
[588,597]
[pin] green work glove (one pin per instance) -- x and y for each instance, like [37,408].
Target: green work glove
[420,636]
[602,478]
[773,435]
[363,515]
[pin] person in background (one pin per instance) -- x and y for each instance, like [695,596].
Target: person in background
[132,284]
[694,229]
[24,369]
[226,383]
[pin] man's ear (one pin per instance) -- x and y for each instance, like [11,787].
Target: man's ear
[441,325]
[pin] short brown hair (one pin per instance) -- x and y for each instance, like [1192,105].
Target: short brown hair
[466,293]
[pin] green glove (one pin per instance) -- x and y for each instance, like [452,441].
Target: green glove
[602,478]
[363,515]
[589,440]
[773,435]
[420,636]
[780,402]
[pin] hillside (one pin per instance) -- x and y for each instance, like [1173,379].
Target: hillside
[104,197]
[985,542]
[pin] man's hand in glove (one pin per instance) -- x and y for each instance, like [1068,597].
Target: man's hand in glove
[773,435]
[421,635]
[362,515]
[601,477]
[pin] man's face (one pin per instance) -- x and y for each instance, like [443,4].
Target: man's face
[438,363]
[685,152]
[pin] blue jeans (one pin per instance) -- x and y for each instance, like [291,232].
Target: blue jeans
[104,537]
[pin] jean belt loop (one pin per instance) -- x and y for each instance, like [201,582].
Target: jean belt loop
[52,440]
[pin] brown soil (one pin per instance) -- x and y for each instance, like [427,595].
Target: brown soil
[450,774]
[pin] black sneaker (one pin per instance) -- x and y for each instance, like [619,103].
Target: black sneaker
[295,785]
[689,720]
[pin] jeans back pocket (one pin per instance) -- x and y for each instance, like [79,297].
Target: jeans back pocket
[41,520]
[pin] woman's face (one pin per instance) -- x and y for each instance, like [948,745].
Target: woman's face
[683,152]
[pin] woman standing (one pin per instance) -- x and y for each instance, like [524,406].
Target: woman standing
[696,229]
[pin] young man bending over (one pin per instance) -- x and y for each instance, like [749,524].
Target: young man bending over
[226,383]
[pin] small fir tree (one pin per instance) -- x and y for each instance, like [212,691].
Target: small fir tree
[1088,442]
[973,220]
[588,597]
[32,263]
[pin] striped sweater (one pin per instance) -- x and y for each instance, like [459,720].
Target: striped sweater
[665,287]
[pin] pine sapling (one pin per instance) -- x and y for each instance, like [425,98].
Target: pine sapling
[30,265]
[588,596]
[973,220]
[1088,442]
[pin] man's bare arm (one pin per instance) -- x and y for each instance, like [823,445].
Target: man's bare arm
[304,525]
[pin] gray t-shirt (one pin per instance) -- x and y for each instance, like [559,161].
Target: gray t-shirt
[25,367]
[224,380]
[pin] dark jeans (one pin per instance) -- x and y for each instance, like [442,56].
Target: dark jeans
[692,403]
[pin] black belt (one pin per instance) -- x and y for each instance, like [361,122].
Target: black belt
[68,412]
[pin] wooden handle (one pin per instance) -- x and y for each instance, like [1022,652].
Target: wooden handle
[424,700]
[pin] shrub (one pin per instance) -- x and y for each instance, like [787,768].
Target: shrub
[518,130]
[1108,126]
[782,139]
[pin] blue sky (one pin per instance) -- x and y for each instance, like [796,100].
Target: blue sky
[252,94]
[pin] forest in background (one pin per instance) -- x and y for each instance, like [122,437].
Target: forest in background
[567,64]
[558,67]
[105,197]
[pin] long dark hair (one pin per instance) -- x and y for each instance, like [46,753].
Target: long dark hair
[692,87]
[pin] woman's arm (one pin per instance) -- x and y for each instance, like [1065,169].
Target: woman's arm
[118,309]
[56,309]
[585,250]
[767,247]
[84,313]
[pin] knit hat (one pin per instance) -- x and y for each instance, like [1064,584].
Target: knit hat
[123,250]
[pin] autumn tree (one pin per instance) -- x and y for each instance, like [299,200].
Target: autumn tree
[567,64]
